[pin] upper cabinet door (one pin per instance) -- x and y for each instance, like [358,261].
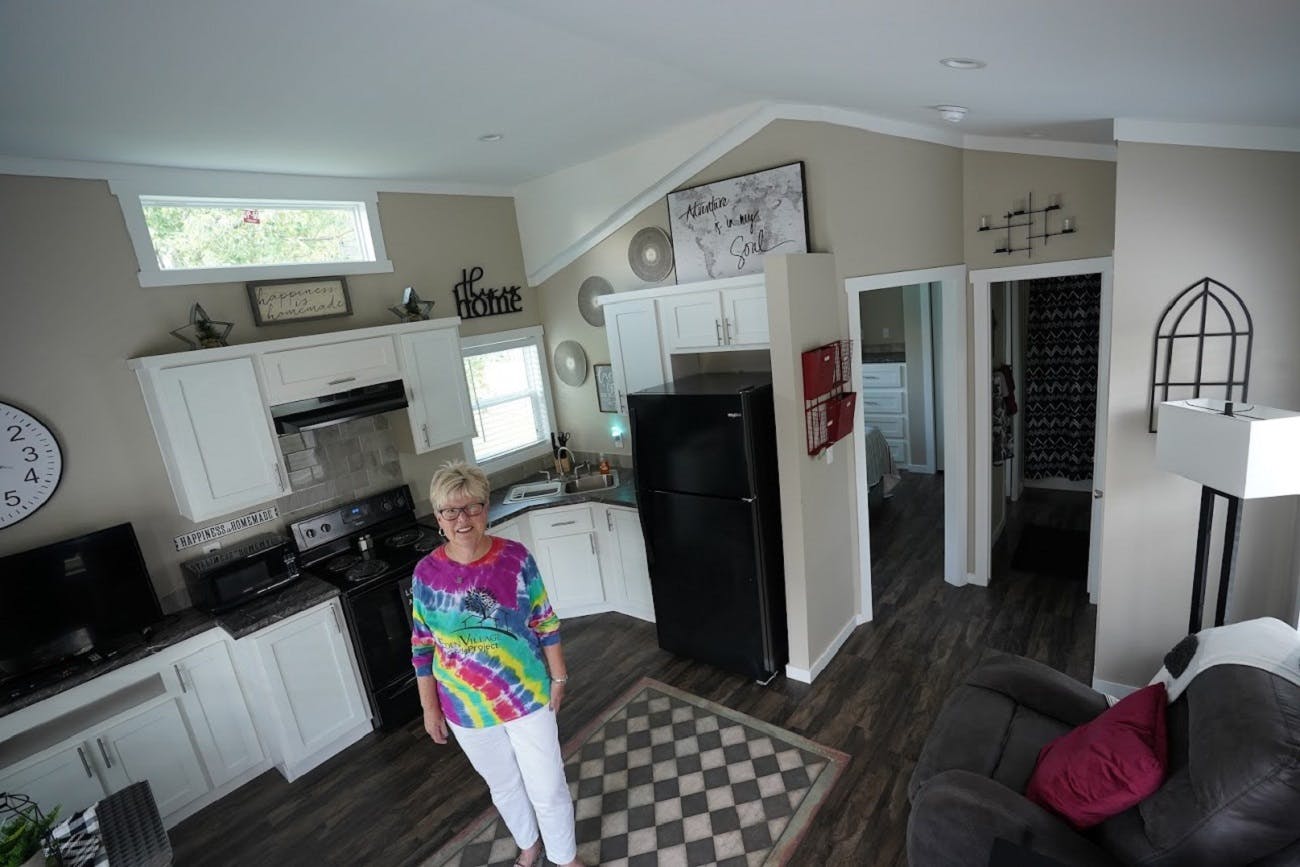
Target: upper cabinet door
[216,436]
[632,330]
[744,316]
[692,323]
[440,410]
[297,374]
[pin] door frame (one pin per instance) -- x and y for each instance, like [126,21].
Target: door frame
[952,282]
[982,372]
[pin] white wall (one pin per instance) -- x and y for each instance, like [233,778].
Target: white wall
[1184,213]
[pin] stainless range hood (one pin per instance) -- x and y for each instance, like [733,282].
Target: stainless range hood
[301,415]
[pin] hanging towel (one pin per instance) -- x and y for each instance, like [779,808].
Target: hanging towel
[1265,643]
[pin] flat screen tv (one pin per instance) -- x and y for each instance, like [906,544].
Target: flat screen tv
[73,598]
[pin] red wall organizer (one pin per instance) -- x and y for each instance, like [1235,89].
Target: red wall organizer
[827,403]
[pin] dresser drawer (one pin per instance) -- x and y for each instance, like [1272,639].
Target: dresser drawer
[891,426]
[561,522]
[882,376]
[898,450]
[873,403]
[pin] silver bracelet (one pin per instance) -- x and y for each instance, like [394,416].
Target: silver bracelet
[560,680]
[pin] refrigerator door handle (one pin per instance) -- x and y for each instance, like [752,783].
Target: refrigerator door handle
[748,499]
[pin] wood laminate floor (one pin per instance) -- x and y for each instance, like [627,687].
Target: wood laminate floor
[393,799]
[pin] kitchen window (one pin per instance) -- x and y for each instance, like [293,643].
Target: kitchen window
[509,389]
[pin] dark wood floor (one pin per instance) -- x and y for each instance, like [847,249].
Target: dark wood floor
[394,798]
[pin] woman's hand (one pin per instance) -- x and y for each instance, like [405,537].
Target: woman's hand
[557,695]
[436,725]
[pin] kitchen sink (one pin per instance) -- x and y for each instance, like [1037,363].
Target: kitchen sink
[591,483]
[535,491]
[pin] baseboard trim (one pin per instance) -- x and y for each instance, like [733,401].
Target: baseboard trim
[294,770]
[804,675]
[1110,687]
[800,674]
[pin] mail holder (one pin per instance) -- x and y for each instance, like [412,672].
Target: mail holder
[828,404]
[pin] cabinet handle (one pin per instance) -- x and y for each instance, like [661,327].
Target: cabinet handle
[180,677]
[425,428]
[564,523]
[337,624]
[609,521]
[279,477]
[622,404]
[343,380]
[85,763]
[591,537]
[726,328]
[104,752]
[717,326]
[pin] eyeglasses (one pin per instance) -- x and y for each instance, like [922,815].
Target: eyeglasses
[451,513]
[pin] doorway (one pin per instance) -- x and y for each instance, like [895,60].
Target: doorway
[1035,408]
[919,423]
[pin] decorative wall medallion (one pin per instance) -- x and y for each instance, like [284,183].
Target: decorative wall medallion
[31,464]
[571,363]
[651,254]
[591,289]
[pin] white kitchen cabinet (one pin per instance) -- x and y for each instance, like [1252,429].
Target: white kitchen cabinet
[312,371]
[63,779]
[728,314]
[691,323]
[632,329]
[884,405]
[439,411]
[218,713]
[216,436]
[744,316]
[564,543]
[631,571]
[313,704]
[153,745]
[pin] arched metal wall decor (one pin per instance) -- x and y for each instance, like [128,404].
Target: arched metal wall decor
[1186,344]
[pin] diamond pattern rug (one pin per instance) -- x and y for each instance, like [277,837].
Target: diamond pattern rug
[662,777]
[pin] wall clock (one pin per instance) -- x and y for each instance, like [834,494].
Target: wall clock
[31,464]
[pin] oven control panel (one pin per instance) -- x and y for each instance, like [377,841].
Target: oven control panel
[351,518]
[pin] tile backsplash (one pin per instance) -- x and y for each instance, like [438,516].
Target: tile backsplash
[336,464]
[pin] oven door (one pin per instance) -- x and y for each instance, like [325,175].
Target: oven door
[381,619]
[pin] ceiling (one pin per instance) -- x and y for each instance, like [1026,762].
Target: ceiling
[402,89]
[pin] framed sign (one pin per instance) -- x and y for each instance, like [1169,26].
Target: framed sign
[723,229]
[298,300]
[606,394]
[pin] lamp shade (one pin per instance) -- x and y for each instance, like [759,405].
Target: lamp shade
[1253,453]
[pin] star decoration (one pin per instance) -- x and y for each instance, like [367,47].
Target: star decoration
[412,309]
[202,332]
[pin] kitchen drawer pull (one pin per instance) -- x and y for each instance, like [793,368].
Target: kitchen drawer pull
[717,326]
[726,328]
[279,477]
[104,752]
[592,539]
[343,380]
[426,435]
[85,763]
[563,523]
[180,677]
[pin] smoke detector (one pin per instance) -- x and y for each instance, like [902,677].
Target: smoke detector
[951,113]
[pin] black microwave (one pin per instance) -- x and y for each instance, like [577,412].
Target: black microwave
[225,578]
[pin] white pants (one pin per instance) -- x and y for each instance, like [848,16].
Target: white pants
[521,763]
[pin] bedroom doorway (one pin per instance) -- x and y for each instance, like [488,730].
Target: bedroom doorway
[909,336]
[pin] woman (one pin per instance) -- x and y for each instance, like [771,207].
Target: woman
[486,649]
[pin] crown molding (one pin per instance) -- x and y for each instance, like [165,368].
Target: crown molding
[165,179]
[1210,135]
[1042,147]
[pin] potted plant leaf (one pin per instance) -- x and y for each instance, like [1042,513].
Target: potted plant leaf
[24,830]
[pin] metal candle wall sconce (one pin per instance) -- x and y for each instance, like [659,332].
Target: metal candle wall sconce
[1022,217]
[1211,326]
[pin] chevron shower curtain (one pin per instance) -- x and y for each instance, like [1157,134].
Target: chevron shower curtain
[1061,376]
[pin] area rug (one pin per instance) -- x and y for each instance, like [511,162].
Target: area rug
[663,777]
[1053,551]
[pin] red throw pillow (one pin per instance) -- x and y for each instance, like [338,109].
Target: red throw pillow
[1105,766]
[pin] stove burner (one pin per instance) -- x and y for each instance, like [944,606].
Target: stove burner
[403,538]
[366,569]
[343,562]
[427,541]
[420,539]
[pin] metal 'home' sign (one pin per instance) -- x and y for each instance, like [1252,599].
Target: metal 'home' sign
[471,302]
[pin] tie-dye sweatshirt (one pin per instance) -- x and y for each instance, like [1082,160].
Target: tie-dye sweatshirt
[479,630]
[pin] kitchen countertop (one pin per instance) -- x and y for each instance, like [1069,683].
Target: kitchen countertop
[622,494]
[302,594]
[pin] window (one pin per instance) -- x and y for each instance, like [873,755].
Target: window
[510,391]
[225,233]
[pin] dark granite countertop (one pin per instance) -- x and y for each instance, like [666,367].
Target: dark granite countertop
[175,628]
[622,494]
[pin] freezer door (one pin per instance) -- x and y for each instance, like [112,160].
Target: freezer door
[689,443]
[710,600]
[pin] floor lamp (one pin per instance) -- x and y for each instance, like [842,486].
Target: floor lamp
[1238,452]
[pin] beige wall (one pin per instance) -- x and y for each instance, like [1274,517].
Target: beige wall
[74,312]
[1184,213]
[881,310]
[915,374]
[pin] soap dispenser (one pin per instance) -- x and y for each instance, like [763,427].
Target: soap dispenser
[604,465]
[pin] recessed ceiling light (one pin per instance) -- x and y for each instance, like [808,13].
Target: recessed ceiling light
[951,113]
[963,63]
[491,136]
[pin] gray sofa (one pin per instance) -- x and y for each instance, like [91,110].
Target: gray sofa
[1231,796]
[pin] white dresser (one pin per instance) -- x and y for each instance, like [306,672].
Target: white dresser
[884,405]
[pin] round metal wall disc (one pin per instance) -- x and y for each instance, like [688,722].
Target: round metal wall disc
[571,363]
[591,289]
[650,254]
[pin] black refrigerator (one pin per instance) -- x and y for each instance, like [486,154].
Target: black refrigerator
[704,454]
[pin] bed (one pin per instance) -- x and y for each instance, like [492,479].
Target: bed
[882,475]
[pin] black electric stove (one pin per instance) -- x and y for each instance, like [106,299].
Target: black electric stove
[369,548]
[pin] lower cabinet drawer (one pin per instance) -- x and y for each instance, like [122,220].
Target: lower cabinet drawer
[555,522]
[891,426]
[898,450]
[886,403]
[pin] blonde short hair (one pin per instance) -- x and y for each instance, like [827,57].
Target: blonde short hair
[457,477]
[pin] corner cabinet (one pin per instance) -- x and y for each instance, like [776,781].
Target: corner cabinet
[439,410]
[728,314]
[564,540]
[216,435]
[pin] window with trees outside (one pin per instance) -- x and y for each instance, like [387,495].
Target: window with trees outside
[509,388]
[190,233]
